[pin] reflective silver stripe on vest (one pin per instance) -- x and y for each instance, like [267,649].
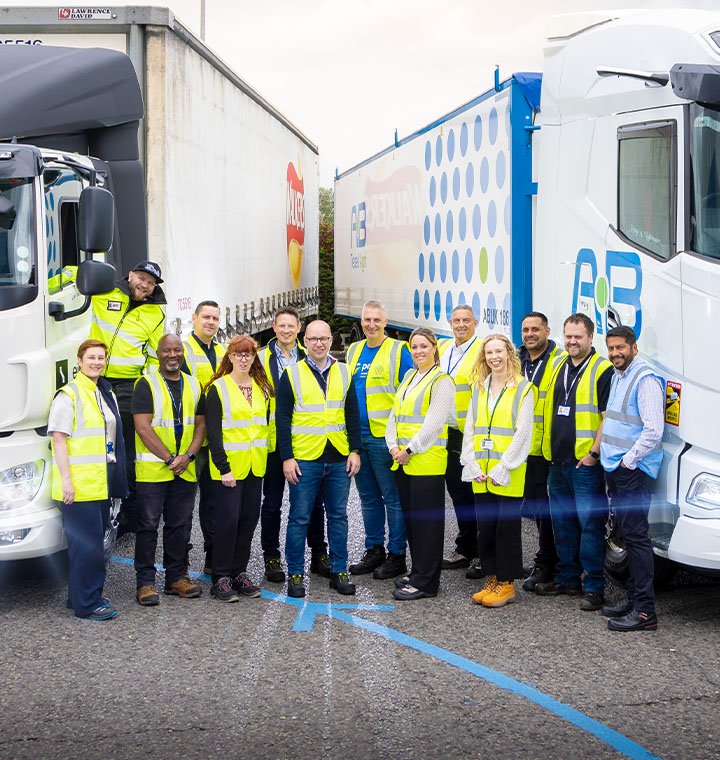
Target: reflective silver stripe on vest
[228,422]
[148,457]
[442,442]
[462,387]
[626,444]
[542,394]
[80,430]
[257,443]
[516,401]
[376,390]
[377,415]
[393,367]
[88,459]
[415,419]
[119,332]
[156,388]
[488,454]
[593,408]
[538,418]
[623,417]
[585,433]
[313,430]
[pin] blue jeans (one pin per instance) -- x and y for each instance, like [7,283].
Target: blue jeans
[335,484]
[579,509]
[378,495]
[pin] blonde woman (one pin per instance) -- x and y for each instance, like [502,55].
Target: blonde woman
[416,437]
[496,444]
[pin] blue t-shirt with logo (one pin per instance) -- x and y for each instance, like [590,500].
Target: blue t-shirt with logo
[360,377]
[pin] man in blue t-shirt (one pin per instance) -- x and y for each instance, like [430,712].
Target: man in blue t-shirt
[378,365]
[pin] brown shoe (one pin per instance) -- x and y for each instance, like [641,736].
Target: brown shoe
[184,588]
[147,596]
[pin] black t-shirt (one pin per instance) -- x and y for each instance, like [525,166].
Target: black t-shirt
[563,436]
[142,402]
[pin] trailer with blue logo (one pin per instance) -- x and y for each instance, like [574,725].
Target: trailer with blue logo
[593,188]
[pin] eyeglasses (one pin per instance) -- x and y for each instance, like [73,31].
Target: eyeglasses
[243,357]
[323,339]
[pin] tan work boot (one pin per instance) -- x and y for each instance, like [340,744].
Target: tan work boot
[502,594]
[184,588]
[488,588]
[147,596]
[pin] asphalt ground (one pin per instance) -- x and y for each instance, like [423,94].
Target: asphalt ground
[431,678]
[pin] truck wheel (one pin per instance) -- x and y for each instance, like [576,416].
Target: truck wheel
[356,332]
[110,535]
[616,561]
[665,572]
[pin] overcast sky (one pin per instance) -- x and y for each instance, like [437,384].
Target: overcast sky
[349,72]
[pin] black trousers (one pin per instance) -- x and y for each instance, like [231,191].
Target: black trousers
[461,495]
[537,506]
[499,535]
[271,512]
[236,516]
[630,492]
[123,389]
[174,501]
[422,498]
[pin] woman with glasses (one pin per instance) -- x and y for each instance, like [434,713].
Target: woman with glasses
[416,437]
[496,444]
[238,413]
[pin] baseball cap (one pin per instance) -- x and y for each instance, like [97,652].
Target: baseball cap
[150,267]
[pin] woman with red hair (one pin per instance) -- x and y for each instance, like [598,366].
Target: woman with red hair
[238,411]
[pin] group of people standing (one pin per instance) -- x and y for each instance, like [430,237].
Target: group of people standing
[504,431]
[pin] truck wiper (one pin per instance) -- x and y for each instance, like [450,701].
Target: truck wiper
[654,77]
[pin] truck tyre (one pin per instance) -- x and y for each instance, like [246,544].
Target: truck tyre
[616,562]
[110,535]
[665,572]
[356,332]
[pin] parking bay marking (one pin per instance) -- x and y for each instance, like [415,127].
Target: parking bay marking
[307,614]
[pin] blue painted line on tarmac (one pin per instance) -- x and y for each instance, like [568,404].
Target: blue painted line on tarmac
[308,612]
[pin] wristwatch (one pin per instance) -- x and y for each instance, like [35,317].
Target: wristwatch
[190,456]
[408,450]
[169,461]
[595,455]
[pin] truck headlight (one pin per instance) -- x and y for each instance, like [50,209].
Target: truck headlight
[704,491]
[20,483]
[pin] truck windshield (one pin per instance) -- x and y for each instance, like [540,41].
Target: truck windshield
[705,158]
[18,256]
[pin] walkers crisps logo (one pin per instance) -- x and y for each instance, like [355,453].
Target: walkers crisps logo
[295,207]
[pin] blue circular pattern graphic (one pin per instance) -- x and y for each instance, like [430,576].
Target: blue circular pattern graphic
[468,265]
[506,305]
[462,223]
[492,313]
[478,133]
[443,266]
[438,228]
[456,183]
[437,305]
[493,126]
[461,298]
[476,221]
[492,219]
[484,174]
[476,304]
[449,226]
[443,187]
[507,215]
[426,304]
[451,145]
[433,190]
[431,268]
[448,305]
[416,303]
[428,158]
[438,150]
[508,126]
[469,179]
[500,169]
[463,139]
[426,230]
[421,267]
[499,264]
[455,266]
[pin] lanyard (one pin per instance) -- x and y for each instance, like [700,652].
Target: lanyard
[410,382]
[492,414]
[452,368]
[528,377]
[177,408]
[581,369]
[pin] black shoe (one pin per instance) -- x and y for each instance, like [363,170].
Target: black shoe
[619,609]
[273,570]
[634,621]
[320,565]
[372,558]
[223,591]
[393,566]
[475,572]
[591,601]
[538,575]
[455,561]
[556,589]
[207,567]
[295,586]
[528,569]
[403,580]
[244,586]
[408,593]
[341,583]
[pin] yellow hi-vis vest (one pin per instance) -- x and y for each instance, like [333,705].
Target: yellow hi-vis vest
[410,408]
[318,418]
[197,361]
[87,449]
[148,467]
[132,336]
[265,354]
[463,390]
[382,381]
[245,430]
[587,413]
[553,361]
[498,426]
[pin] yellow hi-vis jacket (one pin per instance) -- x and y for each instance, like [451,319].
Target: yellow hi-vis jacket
[148,467]
[87,448]
[498,426]
[131,335]
[462,377]
[382,381]
[247,436]
[587,413]
[197,361]
[553,361]
[318,418]
[410,408]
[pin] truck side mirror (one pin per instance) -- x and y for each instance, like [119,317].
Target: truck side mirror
[7,213]
[95,277]
[96,220]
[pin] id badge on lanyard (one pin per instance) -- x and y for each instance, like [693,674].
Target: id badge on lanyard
[487,444]
[563,411]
